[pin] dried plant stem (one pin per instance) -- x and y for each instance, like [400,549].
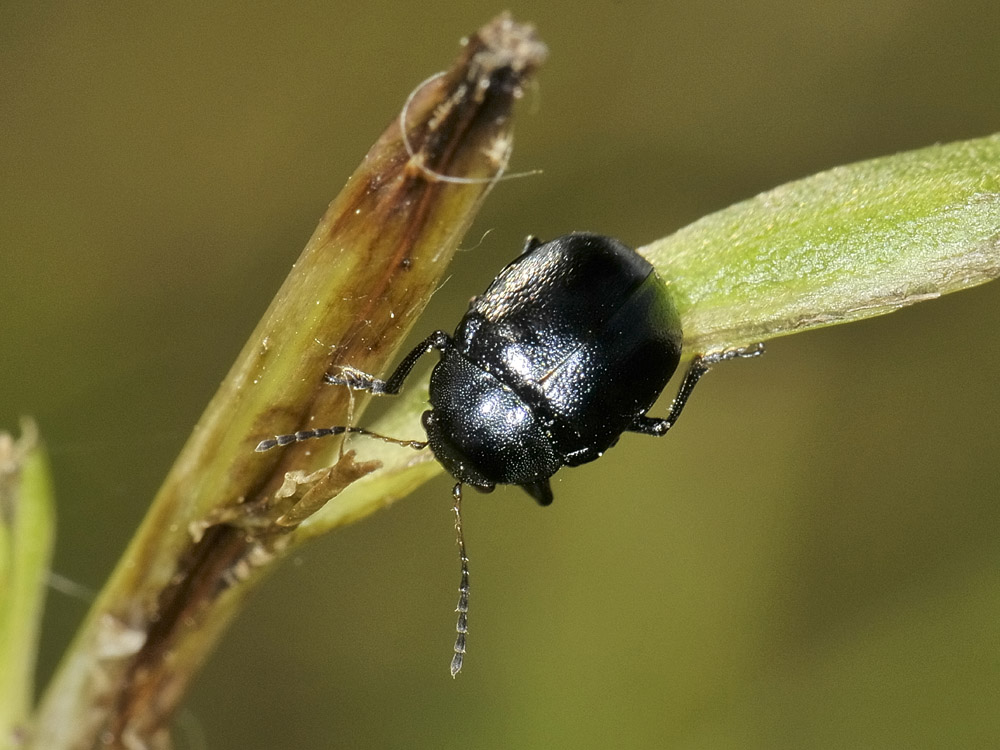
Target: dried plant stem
[213,530]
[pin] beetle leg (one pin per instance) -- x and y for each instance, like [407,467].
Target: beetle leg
[654,426]
[742,352]
[699,366]
[362,381]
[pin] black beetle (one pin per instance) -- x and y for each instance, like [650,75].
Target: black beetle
[566,350]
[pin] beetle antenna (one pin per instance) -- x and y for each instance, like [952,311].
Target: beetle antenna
[499,151]
[298,437]
[462,626]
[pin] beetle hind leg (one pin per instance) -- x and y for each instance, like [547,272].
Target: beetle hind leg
[700,365]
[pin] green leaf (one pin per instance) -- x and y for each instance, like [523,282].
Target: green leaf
[842,245]
[27,527]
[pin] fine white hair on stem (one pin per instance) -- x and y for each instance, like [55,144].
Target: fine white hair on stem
[499,153]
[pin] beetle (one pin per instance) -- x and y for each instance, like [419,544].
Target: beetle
[566,350]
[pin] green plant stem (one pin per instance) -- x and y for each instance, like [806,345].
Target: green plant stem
[27,530]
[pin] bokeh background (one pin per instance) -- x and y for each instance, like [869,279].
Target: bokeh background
[810,560]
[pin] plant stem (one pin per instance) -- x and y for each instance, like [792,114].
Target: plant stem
[27,529]
[212,532]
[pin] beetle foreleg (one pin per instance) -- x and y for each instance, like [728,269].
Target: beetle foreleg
[361,381]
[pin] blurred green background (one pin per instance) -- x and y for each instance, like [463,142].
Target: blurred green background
[810,560]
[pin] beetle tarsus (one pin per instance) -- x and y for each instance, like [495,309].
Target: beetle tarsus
[742,352]
[356,380]
[359,380]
